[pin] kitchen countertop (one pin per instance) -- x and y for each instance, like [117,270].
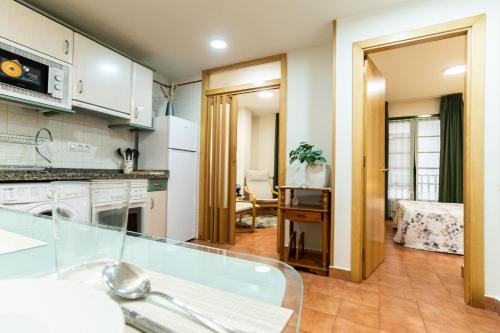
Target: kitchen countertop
[55,174]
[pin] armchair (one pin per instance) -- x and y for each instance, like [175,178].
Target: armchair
[259,191]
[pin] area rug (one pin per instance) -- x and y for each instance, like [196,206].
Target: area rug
[261,221]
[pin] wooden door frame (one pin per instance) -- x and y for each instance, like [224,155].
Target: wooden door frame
[474,30]
[280,83]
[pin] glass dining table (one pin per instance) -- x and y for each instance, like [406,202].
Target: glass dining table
[263,282]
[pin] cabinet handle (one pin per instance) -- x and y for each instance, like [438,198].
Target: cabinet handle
[152,203]
[66,43]
[80,86]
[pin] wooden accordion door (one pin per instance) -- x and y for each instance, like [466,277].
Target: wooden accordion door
[220,169]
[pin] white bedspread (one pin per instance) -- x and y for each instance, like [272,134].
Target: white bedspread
[432,226]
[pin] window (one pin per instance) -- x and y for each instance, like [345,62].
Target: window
[427,159]
[401,162]
[413,157]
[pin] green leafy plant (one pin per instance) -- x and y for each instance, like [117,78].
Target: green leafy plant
[305,153]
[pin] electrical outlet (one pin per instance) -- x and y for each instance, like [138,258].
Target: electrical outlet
[71,146]
[86,148]
[79,147]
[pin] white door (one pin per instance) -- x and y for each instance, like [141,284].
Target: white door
[26,27]
[181,195]
[142,95]
[102,77]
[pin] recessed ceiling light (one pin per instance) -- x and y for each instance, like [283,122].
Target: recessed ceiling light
[455,70]
[218,44]
[266,94]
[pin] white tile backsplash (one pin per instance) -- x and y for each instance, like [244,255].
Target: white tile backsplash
[80,127]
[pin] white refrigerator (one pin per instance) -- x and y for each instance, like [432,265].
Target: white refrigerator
[173,146]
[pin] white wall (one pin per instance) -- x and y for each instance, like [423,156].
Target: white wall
[396,19]
[80,127]
[187,102]
[309,114]
[244,144]
[411,108]
[262,147]
[159,99]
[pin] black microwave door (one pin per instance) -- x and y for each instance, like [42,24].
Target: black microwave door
[18,71]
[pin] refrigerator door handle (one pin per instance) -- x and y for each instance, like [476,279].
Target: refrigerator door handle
[152,203]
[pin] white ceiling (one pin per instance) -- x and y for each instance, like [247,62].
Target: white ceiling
[417,71]
[259,105]
[172,36]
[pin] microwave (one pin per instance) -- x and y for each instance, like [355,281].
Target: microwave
[33,76]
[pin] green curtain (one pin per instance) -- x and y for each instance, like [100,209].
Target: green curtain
[451,164]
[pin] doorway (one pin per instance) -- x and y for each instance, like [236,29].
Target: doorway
[257,161]
[367,184]
[218,154]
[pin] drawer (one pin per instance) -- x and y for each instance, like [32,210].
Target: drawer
[298,216]
[156,185]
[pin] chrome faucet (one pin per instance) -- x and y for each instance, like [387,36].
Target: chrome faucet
[37,145]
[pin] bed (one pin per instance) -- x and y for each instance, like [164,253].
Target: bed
[431,226]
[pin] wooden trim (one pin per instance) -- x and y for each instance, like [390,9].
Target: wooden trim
[416,41]
[474,134]
[492,304]
[474,165]
[341,274]
[425,34]
[233,135]
[245,88]
[282,136]
[247,63]
[282,121]
[203,175]
[334,126]
[357,163]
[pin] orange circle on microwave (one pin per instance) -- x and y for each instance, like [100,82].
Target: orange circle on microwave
[11,68]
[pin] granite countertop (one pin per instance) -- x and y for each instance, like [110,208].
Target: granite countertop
[54,174]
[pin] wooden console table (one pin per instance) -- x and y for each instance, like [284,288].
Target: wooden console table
[294,252]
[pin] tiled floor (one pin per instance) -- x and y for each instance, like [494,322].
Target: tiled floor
[412,291]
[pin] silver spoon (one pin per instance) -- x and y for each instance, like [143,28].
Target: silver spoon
[130,282]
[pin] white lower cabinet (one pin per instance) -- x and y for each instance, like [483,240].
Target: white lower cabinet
[157,213]
[102,78]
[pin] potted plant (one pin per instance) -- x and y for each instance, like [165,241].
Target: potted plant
[310,166]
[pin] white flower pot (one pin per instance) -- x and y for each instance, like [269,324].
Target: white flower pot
[317,175]
[308,176]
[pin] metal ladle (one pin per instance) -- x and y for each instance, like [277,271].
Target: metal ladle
[130,282]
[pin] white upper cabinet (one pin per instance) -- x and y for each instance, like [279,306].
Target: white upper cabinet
[26,27]
[102,78]
[142,95]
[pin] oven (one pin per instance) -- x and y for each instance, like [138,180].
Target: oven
[104,205]
[30,75]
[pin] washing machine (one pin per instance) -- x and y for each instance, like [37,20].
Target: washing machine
[36,198]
